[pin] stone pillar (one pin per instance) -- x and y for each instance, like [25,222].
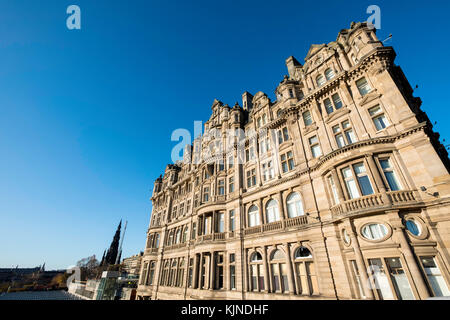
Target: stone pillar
[291,280]
[211,271]
[405,248]
[377,177]
[283,212]
[338,185]
[245,275]
[361,266]
[266,271]
[261,211]
[200,271]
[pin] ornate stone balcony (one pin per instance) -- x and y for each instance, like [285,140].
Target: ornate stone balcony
[211,237]
[374,202]
[176,246]
[151,250]
[278,225]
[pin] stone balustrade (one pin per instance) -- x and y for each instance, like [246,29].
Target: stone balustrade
[374,201]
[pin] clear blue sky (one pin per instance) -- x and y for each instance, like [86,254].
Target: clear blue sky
[86,116]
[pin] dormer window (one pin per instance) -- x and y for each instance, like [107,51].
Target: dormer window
[363,86]
[291,93]
[320,80]
[264,119]
[329,74]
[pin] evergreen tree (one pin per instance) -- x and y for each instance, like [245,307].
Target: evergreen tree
[114,248]
[103,258]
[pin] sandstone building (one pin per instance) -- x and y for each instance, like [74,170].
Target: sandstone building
[346,197]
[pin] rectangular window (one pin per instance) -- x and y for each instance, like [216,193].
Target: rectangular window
[251,178]
[315,147]
[357,278]
[283,135]
[206,194]
[363,179]
[264,145]
[231,184]
[194,231]
[232,221]
[381,280]
[221,187]
[337,101]
[399,279]
[328,106]
[267,171]
[378,118]
[363,86]
[188,206]
[343,134]
[287,162]
[307,118]
[219,271]
[191,272]
[350,183]
[389,174]
[220,222]
[232,277]
[206,227]
[434,276]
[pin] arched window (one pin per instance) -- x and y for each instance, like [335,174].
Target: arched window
[171,238]
[256,272]
[253,216]
[305,272]
[264,119]
[294,205]
[329,74]
[272,212]
[180,274]
[157,241]
[185,234]
[320,80]
[278,269]
[279,112]
[173,273]
[165,274]
[178,238]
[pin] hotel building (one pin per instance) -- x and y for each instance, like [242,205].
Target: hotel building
[339,189]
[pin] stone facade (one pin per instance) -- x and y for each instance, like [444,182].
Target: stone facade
[347,197]
[132,265]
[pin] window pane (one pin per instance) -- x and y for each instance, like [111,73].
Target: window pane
[365,185]
[413,227]
[307,118]
[363,86]
[329,74]
[435,277]
[399,279]
[352,189]
[350,136]
[328,106]
[316,151]
[337,101]
[340,141]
